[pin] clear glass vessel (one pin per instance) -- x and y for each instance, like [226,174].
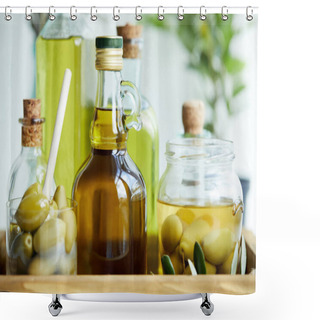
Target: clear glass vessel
[200,199]
[109,188]
[143,145]
[30,166]
[64,43]
[41,239]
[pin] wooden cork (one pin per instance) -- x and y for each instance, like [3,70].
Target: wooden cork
[193,117]
[131,35]
[31,123]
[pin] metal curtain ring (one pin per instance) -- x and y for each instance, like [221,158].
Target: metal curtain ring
[116,17]
[51,11]
[224,13]
[28,13]
[203,12]
[93,17]
[138,16]
[73,16]
[249,15]
[7,16]
[160,15]
[180,13]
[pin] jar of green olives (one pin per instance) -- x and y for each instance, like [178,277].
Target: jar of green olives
[41,233]
[199,200]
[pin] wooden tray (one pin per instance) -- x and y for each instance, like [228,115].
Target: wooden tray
[147,284]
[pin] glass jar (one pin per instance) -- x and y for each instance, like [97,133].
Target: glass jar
[41,240]
[199,200]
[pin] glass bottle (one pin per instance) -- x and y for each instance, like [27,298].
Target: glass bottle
[109,188]
[64,43]
[143,145]
[193,115]
[200,199]
[30,166]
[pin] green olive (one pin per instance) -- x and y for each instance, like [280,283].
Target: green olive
[171,232]
[32,212]
[53,213]
[22,250]
[67,264]
[69,218]
[34,188]
[218,245]
[42,266]
[194,232]
[49,235]
[60,197]
[15,230]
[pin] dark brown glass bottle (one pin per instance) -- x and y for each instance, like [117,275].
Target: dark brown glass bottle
[109,188]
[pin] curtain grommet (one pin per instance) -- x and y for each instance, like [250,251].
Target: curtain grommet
[203,13]
[7,16]
[160,15]
[28,12]
[73,11]
[180,13]
[138,16]
[93,17]
[224,13]
[249,16]
[116,16]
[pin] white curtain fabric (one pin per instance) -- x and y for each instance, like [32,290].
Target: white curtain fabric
[17,82]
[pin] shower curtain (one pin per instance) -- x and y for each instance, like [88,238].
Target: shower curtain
[209,56]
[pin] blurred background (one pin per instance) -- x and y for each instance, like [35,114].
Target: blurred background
[212,60]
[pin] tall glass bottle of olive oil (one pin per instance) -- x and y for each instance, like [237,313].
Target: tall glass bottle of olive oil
[143,145]
[64,43]
[109,187]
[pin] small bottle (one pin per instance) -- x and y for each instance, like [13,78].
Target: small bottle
[193,115]
[143,145]
[109,188]
[30,166]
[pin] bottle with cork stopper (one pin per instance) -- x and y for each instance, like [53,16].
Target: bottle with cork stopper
[30,166]
[143,145]
[193,116]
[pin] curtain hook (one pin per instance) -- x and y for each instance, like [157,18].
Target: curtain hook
[203,12]
[93,17]
[249,16]
[160,15]
[138,16]
[116,17]
[7,16]
[224,13]
[51,11]
[180,13]
[28,13]
[73,11]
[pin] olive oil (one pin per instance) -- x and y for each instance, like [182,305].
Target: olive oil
[53,57]
[109,188]
[225,217]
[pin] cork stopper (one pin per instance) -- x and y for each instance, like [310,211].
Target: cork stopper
[31,132]
[193,116]
[131,35]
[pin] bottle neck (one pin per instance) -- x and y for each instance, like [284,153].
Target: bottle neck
[131,70]
[108,131]
[31,152]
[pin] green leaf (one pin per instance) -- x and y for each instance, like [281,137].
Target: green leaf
[234,262]
[233,65]
[238,89]
[167,265]
[199,260]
